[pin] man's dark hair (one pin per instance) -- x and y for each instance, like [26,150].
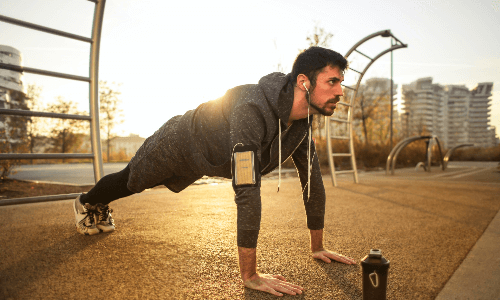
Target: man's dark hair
[313,60]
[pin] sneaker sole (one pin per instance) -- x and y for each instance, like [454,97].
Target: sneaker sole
[106,230]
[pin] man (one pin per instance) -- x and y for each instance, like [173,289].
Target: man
[243,135]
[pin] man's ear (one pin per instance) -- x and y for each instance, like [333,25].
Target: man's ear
[301,80]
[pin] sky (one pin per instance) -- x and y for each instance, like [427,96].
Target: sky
[168,57]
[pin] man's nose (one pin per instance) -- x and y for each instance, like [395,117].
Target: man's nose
[340,91]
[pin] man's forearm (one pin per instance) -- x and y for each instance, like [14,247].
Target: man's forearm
[247,258]
[316,240]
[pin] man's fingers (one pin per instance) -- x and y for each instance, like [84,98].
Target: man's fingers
[340,258]
[279,277]
[293,288]
[286,289]
[270,290]
[327,256]
[281,285]
[325,259]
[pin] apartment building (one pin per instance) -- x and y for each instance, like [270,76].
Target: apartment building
[12,95]
[480,133]
[455,114]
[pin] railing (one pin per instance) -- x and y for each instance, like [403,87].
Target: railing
[93,116]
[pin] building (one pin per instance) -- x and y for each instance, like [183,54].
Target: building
[424,107]
[12,96]
[126,144]
[480,133]
[455,114]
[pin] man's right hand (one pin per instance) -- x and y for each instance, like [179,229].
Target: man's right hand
[273,284]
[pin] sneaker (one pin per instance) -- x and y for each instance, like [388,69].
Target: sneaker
[104,220]
[84,215]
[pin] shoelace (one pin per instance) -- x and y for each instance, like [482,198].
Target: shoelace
[89,210]
[103,211]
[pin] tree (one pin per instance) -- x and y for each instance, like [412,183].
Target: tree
[110,113]
[33,127]
[369,107]
[67,134]
[13,136]
[319,38]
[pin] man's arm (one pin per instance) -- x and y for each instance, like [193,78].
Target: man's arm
[246,137]
[319,252]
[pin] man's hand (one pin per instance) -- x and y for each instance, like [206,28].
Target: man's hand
[327,257]
[273,284]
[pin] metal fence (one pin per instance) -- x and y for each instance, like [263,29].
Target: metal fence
[93,116]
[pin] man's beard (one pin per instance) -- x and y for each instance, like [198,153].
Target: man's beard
[322,110]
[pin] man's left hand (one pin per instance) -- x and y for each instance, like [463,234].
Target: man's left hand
[327,256]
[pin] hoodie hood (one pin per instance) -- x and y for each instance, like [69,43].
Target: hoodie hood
[278,89]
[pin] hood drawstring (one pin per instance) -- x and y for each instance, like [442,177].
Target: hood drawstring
[308,154]
[279,171]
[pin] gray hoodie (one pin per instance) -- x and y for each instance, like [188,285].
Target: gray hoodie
[202,141]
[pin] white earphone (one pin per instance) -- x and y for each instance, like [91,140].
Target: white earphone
[304,84]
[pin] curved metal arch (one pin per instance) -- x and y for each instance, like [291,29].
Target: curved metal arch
[393,155]
[429,152]
[391,159]
[399,146]
[383,33]
[450,152]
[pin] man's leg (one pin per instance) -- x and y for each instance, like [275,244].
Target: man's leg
[109,188]
[92,212]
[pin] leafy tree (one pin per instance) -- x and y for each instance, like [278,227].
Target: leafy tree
[67,134]
[110,112]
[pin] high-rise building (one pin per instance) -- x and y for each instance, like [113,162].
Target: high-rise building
[480,133]
[455,114]
[12,94]
[424,108]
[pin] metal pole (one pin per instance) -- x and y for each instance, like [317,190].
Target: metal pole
[392,104]
[94,90]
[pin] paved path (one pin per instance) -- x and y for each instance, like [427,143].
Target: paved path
[74,174]
[183,246]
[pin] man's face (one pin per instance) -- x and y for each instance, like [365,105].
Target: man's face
[327,92]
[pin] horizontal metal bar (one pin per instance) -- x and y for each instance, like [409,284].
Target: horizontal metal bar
[45,29]
[344,172]
[343,103]
[340,120]
[341,154]
[38,199]
[363,54]
[30,113]
[351,88]
[43,72]
[332,137]
[6,156]
[355,71]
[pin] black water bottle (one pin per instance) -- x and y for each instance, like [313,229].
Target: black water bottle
[375,271]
